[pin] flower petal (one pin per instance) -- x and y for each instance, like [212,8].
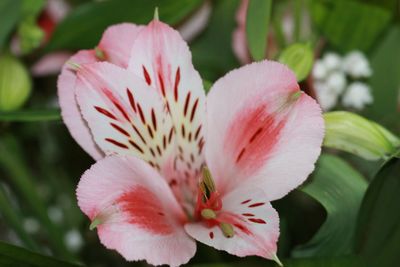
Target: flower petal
[162,58]
[69,107]
[50,64]
[117,42]
[137,213]
[255,225]
[262,129]
[126,116]
[239,42]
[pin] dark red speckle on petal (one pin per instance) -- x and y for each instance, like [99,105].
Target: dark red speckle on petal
[254,220]
[256,204]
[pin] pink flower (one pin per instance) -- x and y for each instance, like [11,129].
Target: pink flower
[145,108]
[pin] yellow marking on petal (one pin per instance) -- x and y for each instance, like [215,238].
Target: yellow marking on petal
[75,66]
[295,95]
[100,55]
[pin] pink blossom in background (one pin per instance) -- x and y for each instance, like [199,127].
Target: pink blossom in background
[139,108]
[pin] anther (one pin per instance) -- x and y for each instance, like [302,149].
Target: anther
[208,214]
[227,229]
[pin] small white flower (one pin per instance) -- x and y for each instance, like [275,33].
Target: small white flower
[356,65]
[55,214]
[327,98]
[319,70]
[357,96]
[336,81]
[31,225]
[73,240]
[332,61]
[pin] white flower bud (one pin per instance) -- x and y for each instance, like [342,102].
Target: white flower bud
[357,96]
[73,240]
[31,225]
[332,61]
[336,81]
[319,70]
[356,65]
[327,98]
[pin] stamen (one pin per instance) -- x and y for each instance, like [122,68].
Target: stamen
[227,229]
[208,180]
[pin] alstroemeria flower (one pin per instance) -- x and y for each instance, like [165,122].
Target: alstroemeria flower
[182,166]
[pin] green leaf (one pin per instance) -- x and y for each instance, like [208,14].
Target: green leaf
[15,166]
[9,15]
[350,25]
[11,256]
[311,262]
[385,80]
[31,115]
[212,50]
[339,189]
[14,218]
[84,25]
[378,227]
[257,24]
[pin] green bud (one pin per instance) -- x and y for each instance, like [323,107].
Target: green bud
[227,229]
[208,214]
[299,58]
[15,83]
[354,134]
[30,34]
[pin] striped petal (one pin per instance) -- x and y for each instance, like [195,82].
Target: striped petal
[69,107]
[125,115]
[114,51]
[135,211]
[262,129]
[162,58]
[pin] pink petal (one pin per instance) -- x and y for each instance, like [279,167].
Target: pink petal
[125,115]
[255,224]
[162,58]
[50,63]
[139,216]
[239,42]
[69,107]
[196,23]
[117,42]
[262,129]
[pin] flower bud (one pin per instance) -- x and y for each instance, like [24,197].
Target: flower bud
[299,58]
[31,36]
[354,134]
[15,83]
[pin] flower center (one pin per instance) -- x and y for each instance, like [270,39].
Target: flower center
[209,206]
